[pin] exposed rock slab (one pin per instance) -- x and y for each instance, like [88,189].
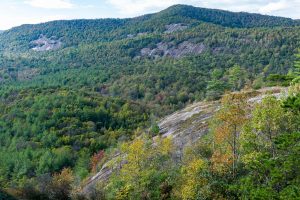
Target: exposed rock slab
[107,169]
[137,35]
[171,28]
[164,49]
[46,44]
[188,125]
[185,127]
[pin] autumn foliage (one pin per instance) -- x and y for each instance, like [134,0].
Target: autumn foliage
[228,124]
[96,159]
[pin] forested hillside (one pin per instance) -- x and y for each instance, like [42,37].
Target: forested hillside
[71,91]
[75,32]
[251,152]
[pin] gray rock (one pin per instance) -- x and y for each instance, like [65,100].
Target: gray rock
[46,44]
[130,36]
[171,28]
[164,49]
[184,127]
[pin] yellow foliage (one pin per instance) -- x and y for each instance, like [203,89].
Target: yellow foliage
[143,159]
[123,194]
[294,89]
[188,191]
[193,183]
[65,177]
[164,146]
[221,134]
[195,166]
[221,162]
[136,154]
[227,126]
[251,157]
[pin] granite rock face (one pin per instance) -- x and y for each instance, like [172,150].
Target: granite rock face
[46,44]
[131,36]
[164,49]
[171,28]
[185,127]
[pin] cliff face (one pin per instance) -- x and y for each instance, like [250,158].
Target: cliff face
[188,125]
[175,51]
[185,127]
[46,44]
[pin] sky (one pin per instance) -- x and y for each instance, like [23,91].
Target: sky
[17,12]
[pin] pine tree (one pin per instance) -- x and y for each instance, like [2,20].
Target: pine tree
[297,69]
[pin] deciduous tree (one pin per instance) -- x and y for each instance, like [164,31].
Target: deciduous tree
[227,125]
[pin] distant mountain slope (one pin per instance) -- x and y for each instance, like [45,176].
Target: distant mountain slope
[74,32]
[76,87]
[149,57]
[185,127]
[228,19]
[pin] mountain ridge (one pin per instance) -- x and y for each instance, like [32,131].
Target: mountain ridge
[214,16]
[53,53]
[182,8]
[245,21]
[72,90]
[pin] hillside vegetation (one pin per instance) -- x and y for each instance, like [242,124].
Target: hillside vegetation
[71,91]
[243,157]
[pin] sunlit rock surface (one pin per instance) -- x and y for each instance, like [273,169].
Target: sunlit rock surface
[46,44]
[185,127]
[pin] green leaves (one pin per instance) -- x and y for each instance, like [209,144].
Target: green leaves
[237,77]
[43,131]
[297,70]
[147,168]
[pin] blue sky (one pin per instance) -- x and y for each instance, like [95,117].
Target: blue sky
[17,12]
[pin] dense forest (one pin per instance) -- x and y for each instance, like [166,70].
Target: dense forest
[72,92]
[244,157]
[251,152]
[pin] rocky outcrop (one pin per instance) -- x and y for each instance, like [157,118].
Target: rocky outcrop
[188,125]
[185,127]
[164,49]
[171,28]
[46,44]
[137,35]
[114,163]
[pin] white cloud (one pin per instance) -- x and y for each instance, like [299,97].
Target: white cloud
[45,19]
[50,4]
[274,6]
[17,12]
[136,7]
[6,24]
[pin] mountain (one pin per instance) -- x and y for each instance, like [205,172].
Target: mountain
[186,127]
[75,32]
[71,90]
[228,19]
[116,56]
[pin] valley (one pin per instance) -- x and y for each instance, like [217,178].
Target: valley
[186,103]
